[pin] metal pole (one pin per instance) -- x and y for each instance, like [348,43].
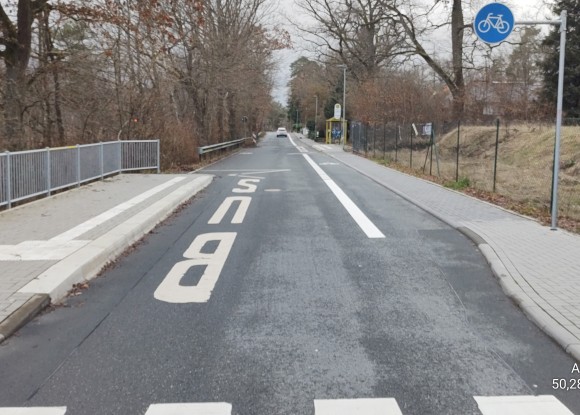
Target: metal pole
[102,151]
[457,155]
[78,165]
[158,156]
[431,158]
[8,180]
[316,119]
[48,184]
[374,141]
[344,106]
[495,158]
[411,159]
[384,142]
[397,135]
[296,122]
[436,151]
[559,120]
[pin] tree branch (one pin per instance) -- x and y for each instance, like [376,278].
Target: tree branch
[6,25]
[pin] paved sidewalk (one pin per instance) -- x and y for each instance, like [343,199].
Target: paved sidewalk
[537,267]
[48,245]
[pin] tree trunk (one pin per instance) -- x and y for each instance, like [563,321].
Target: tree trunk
[457,27]
[13,108]
[16,55]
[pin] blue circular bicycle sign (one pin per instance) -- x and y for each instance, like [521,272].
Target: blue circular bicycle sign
[493,23]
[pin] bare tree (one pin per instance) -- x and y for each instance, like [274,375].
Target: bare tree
[358,32]
[417,32]
[16,41]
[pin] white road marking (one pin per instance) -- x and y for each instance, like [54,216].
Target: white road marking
[189,409]
[40,250]
[171,291]
[386,406]
[246,153]
[60,410]
[521,405]
[272,190]
[292,141]
[359,217]
[328,164]
[249,171]
[105,216]
[302,149]
[246,186]
[225,206]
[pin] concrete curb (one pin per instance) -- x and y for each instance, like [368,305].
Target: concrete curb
[84,264]
[23,315]
[508,284]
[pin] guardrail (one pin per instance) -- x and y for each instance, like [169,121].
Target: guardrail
[219,146]
[27,174]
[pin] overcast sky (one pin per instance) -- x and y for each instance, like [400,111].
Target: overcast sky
[287,11]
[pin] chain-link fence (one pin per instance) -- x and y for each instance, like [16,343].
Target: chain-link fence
[511,159]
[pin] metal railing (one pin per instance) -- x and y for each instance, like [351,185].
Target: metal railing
[213,147]
[27,174]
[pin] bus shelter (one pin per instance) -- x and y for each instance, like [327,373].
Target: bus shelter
[334,128]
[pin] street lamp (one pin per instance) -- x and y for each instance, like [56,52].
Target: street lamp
[315,118]
[296,123]
[343,104]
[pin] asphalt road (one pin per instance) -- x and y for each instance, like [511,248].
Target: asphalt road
[295,302]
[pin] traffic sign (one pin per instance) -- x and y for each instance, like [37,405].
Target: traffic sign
[493,23]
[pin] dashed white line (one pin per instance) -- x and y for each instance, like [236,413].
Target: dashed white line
[521,405]
[60,410]
[190,409]
[385,406]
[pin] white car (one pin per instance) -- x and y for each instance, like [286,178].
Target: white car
[281,132]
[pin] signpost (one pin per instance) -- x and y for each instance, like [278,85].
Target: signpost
[493,24]
[337,111]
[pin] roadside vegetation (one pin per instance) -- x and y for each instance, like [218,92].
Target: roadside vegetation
[524,167]
[187,72]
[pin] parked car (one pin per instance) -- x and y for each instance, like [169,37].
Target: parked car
[281,132]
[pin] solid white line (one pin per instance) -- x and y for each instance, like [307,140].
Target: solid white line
[250,170]
[359,217]
[521,405]
[111,213]
[189,409]
[60,410]
[386,406]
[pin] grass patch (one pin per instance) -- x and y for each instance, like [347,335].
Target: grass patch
[459,185]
